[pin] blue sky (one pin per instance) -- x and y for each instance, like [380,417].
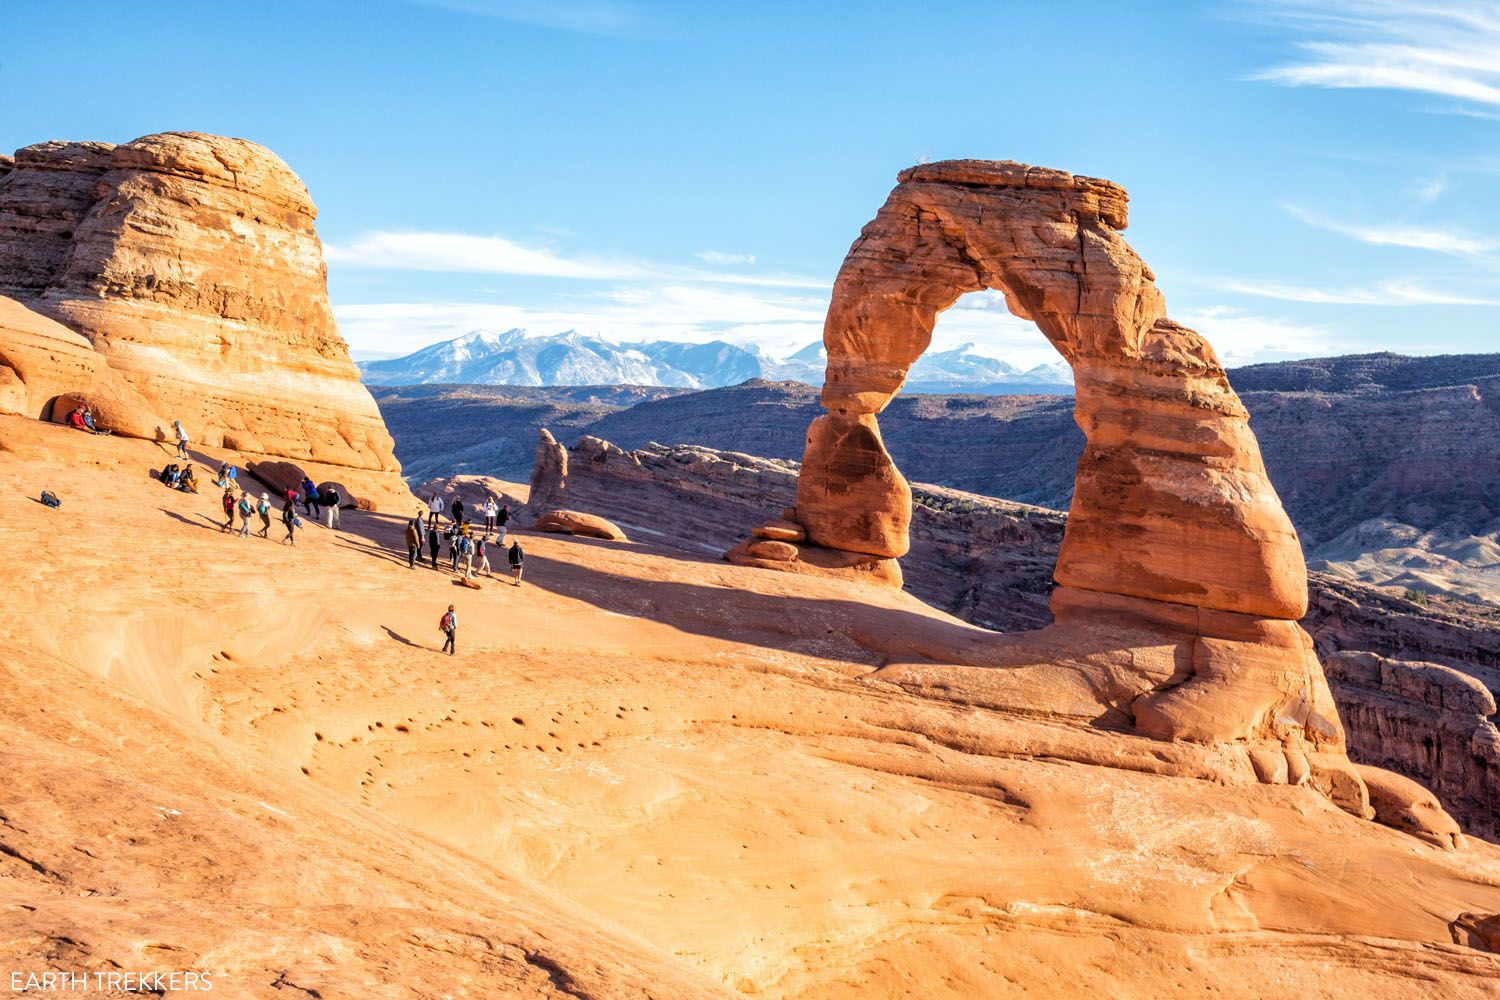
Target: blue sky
[1306,177]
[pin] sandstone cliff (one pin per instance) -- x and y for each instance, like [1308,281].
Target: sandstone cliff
[191,267]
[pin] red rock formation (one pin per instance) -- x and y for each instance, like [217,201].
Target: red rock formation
[191,266]
[573,522]
[1176,541]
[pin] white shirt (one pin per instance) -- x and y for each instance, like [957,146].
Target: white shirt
[436,506]
[181,433]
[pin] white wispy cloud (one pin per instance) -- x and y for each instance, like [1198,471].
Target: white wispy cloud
[464,253]
[1396,292]
[1432,189]
[720,257]
[1241,338]
[592,17]
[1438,240]
[1449,49]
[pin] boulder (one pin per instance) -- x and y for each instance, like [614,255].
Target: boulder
[279,475]
[780,531]
[349,499]
[572,522]
[1401,803]
[773,550]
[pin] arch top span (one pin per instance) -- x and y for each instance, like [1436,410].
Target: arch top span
[1171,500]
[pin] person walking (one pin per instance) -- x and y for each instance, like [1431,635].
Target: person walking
[309,498]
[228,501]
[449,624]
[245,509]
[434,542]
[452,535]
[482,555]
[413,541]
[332,499]
[289,520]
[491,508]
[466,554]
[263,508]
[182,439]
[503,518]
[517,560]
[434,510]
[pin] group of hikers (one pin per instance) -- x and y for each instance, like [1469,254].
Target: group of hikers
[468,545]
[465,543]
[82,418]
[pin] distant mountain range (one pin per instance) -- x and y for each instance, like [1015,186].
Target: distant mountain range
[517,358]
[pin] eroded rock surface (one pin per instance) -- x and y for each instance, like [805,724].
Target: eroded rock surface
[190,266]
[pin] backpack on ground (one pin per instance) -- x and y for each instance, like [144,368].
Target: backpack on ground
[50,499]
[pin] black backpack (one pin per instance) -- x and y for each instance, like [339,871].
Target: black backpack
[50,499]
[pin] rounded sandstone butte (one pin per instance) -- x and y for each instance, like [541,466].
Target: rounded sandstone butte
[1172,501]
[191,263]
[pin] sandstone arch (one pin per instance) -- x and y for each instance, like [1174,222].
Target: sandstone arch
[1180,578]
[1172,501]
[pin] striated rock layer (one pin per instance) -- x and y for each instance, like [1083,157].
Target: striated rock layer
[191,266]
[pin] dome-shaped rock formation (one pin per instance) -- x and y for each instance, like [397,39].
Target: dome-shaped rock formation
[191,267]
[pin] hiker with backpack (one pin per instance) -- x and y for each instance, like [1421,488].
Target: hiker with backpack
[188,481]
[517,560]
[413,541]
[449,625]
[466,554]
[244,509]
[228,501]
[481,554]
[263,508]
[331,500]
[434,542]
[290,520]
[182,439]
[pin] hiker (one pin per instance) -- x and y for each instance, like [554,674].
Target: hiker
[332,499]
[245,509]
[503,518]
[434,510]
[228,476]
[188,481]
[491,508]
[452,535]
[309,498]
[466,553]
[171,475]
[289,519]
[517,560]
[290,496]
[434,542]
[228,502]
[481,554]
[182,439]
[263,508]
[413,541]
[458,510]
[449,624]
[75,418]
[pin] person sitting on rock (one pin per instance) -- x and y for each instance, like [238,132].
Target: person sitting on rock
[188,481]
[171,475]
[331,500]
[75,418]
[90,423]
[517,560]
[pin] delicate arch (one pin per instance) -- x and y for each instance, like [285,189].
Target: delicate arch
[1171,502]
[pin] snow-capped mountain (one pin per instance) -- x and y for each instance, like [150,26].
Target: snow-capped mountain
[516,357]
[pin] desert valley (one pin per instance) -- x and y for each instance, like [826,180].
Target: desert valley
[762,718]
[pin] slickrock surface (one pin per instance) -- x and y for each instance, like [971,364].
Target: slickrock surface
[644,774]
[191,265]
